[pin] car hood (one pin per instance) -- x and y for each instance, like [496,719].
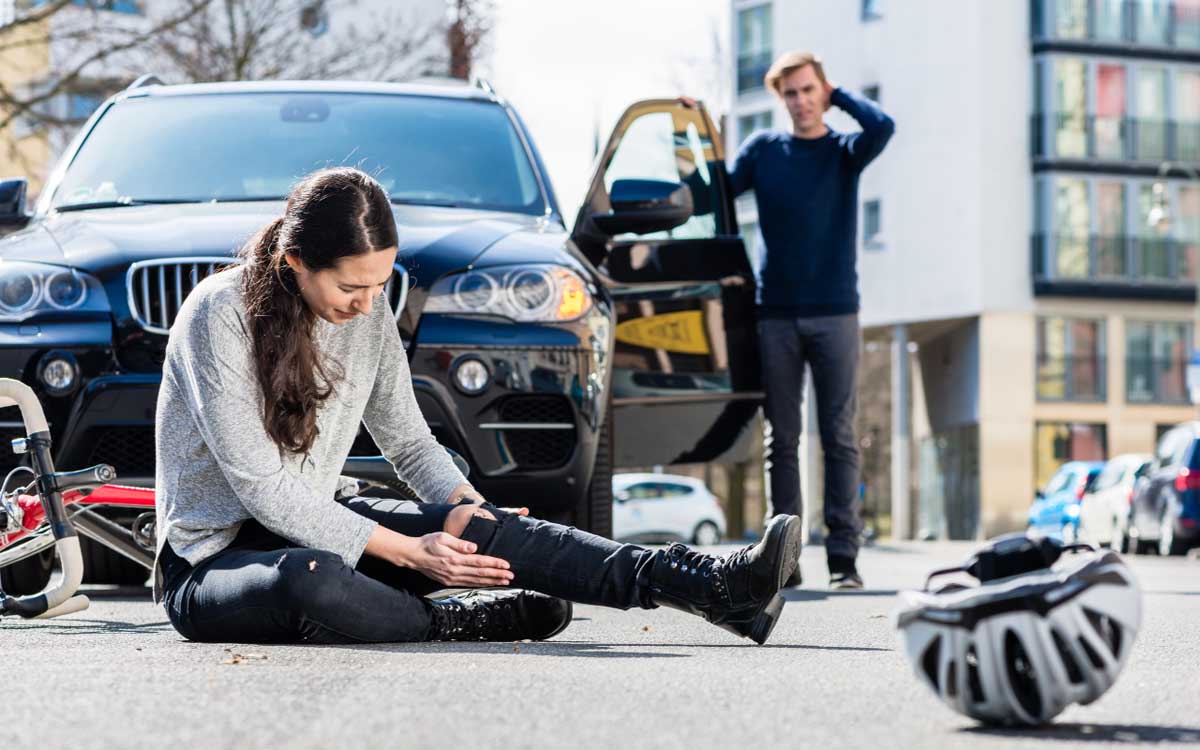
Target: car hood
[433,241]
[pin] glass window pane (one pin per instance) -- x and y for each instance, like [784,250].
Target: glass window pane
[1109,20]
[1110,229]
[1189,230]
[1070,19]
[1139,371]
[1071,228]
[1187,114]
[1153,256]
[1151,21]
[754,46]
[1070,127]
[1051,358]
[1110,111]
[1152,113]
[1187,23]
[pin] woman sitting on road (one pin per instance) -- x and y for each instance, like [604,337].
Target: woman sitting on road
[270,368]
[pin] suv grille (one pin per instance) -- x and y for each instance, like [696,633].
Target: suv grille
[129,450]
[157,288]
[538,448]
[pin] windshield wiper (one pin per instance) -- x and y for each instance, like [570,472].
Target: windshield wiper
[440,202]
[119,203]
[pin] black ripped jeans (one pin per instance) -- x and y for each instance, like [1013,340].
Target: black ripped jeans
[264,589]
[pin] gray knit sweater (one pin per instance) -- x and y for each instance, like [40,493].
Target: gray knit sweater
[217,467]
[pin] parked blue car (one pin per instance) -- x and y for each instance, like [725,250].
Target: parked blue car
[1055,511]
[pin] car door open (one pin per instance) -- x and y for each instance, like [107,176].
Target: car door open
[658,222]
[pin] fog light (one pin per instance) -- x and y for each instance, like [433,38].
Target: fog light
[59,373]
[471,376]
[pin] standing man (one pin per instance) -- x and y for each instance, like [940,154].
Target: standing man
[806,186]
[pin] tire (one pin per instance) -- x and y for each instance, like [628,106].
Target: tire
[593,509]
[102,565]
[706,534]
[29,576]
[1168,543]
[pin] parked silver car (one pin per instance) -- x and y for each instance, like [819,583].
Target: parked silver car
[1105,508]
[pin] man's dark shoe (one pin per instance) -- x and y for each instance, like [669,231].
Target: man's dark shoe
[499,615]
[740,592]
[843,573]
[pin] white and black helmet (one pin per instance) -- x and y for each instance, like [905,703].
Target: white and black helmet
[1030,639]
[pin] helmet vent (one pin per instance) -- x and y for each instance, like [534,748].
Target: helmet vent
[1092,656]
[973,682]
[952,680]
[929,661]
[1108,630]
[1074,674]
[1021,675]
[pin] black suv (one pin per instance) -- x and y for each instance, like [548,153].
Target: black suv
[1164,515]
[542,356]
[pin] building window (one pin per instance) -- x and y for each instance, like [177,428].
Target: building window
[872,93]
[1098,229]
[1070,359]
[1147,23]
[872,10]
[754,47]
[1116,111]
[1056,443]
[1156,357]
[872,225]
[80,106]
[748,124]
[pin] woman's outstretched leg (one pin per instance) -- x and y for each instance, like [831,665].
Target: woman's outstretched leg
[739,592]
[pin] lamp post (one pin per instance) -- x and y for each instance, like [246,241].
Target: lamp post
[1159,219]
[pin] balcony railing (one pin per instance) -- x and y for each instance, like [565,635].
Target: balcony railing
[751,69]
[1156,380]
[1070,136]
[1140,23]
[1162,261]
[1061,378]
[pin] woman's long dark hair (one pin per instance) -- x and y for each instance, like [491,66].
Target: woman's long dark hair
[331,214]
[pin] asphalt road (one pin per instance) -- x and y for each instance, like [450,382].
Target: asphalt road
[117,675]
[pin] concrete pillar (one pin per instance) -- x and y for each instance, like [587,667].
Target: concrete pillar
[901,442]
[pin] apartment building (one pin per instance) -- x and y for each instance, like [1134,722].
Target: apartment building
[1029,243]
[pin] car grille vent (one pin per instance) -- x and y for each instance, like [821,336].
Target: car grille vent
[129,450]
[534,449]
[157,288]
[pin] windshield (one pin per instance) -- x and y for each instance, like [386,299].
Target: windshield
[231,147]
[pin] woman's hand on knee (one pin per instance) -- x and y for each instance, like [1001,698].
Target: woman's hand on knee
[452,562]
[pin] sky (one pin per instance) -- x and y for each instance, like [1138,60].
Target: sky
[568,65]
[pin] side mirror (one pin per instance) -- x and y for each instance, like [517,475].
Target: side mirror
[621,497]
[12,202]
[643,206]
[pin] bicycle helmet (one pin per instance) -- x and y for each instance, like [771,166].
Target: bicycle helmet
[1030,639]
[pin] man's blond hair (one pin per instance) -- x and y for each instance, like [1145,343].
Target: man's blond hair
[788,63]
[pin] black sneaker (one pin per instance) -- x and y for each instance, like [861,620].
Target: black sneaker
[499,615]
[843,573]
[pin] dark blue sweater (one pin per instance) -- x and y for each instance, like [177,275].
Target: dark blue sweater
[807,194]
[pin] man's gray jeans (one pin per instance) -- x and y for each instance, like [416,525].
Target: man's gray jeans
[830,346]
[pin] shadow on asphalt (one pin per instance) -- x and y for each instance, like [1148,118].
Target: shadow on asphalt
[583,649]
[1118,733]
[814,595]
[83,626]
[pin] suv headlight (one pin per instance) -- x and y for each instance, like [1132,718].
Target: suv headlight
[29,289]
[530,293]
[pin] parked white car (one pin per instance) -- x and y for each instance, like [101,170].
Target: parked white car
[665,507]
[1104,510]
